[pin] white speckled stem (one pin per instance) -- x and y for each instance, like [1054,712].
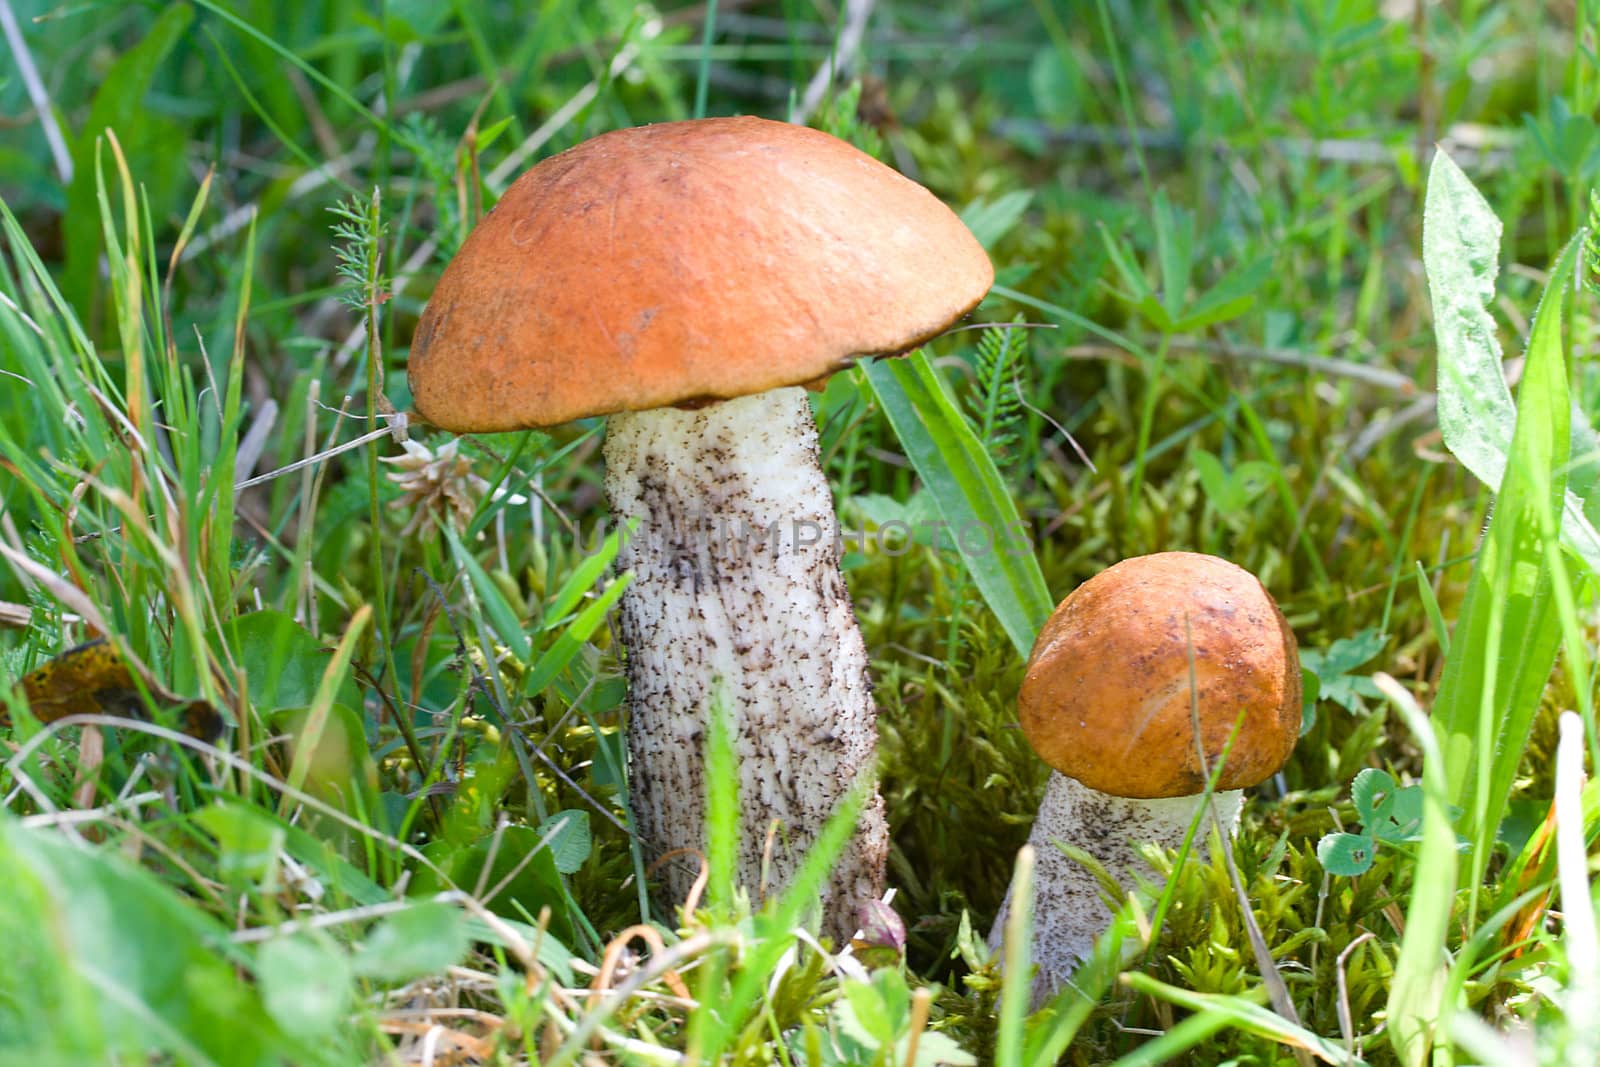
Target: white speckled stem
[737,583]
[1069,911]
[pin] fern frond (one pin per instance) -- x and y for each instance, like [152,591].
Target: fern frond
[995,404]
[358,234]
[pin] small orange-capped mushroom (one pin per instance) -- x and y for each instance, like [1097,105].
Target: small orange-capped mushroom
[1132,692]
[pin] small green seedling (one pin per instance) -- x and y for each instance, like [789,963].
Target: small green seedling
[1335,667]
[881,1021]
[1389,813]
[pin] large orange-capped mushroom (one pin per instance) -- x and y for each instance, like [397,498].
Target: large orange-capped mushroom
[687,280]
[681,263]
[1129,666]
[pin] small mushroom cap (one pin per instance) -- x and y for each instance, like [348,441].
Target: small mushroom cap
[681,263]
[1107,696]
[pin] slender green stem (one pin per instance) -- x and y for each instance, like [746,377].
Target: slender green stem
[703,81]
[1125,96]
[384,674]
[1157,372]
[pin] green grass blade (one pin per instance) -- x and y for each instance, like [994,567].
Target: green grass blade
[1504,645]
[711,1028]
[560,653]
[584,577]
[333,675]
[334,89]
[1016,990]
[1237,1012]
[1182,1037]
[773,932]
[1051,1031]
[1430,603]
[507,626]
[703,75]
[968,490]
[722,804]
[1415,997]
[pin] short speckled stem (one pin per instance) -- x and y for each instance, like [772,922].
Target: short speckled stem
[737,583]
[1069,912]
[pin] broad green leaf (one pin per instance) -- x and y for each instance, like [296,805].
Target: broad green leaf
[917,513]
[1373,792]
[566,835]
[511,870]
[1346,855]
[969,492]
[1213,480]
[1583,485]
[1335,666]
[251,841]
[1310,693]
[134,972]
[1460,255]
[1405,816]
[305,982]
[935,1049]
[1232,296]
[282,661]
[867,1017]
[423,939]
[332,753]
[1231,491]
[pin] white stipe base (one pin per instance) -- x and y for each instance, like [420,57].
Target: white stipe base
[1069,907]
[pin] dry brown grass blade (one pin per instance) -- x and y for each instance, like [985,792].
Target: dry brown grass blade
[613,956]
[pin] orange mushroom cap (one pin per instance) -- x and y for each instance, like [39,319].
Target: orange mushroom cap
[685,262]
[1107,695]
